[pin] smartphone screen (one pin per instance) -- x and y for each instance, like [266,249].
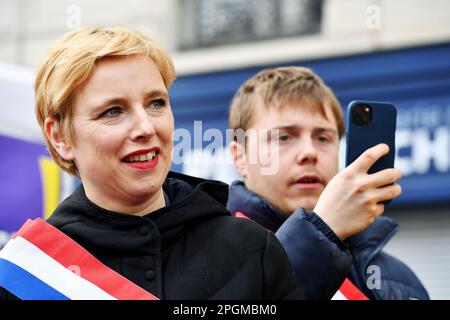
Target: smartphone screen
[368,124]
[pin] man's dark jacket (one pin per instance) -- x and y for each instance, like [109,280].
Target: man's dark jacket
[322,261]
[191,249]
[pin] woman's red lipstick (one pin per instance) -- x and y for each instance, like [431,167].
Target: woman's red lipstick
[132,160]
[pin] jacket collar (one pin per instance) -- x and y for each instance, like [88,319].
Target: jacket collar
[254,206]
[190,199]
[369,241]
[374,237]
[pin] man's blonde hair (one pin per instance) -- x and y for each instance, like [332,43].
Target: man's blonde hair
[279,87]
[70,63]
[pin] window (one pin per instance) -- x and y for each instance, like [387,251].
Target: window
[207,23]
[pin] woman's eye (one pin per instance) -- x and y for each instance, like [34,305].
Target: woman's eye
[112,112]
[158,104]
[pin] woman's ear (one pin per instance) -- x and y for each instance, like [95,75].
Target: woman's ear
[238,157]
[57,139]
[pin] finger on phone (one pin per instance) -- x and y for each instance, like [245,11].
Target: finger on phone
[383,178]
[387,193]
[368,158]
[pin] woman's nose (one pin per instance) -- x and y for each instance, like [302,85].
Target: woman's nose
[142,125]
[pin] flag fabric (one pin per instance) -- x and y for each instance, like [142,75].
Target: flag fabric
[347,291]
[42,263]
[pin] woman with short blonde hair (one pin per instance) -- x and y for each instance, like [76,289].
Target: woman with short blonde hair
[131,230]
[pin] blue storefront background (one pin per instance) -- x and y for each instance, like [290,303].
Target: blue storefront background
[416,80]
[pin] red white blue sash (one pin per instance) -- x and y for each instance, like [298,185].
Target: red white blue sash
[42,263]
[348,291]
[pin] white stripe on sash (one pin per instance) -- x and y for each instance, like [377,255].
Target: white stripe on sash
[338,296]
[30,258]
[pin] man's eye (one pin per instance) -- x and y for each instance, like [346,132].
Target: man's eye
[112,112]
[323,139]
[283,138]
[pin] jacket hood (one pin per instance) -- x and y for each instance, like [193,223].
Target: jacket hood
[208,197]
[190,199]
[254,206]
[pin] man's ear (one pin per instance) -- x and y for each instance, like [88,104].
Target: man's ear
[57,139]
[238,157]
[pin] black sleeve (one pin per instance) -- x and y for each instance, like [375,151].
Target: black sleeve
[321,261]
[279,277]
[6,295]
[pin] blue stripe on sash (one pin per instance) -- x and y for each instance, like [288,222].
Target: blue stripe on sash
[25,285]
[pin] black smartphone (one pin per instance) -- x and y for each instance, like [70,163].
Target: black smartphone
[368,124]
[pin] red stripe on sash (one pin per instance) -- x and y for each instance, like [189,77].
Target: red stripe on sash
[239,214]
[351,292]
[70,254]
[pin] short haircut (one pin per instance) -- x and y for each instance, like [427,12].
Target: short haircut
[279,87]
[70,62]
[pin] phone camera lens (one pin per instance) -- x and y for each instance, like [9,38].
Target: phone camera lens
[362,114]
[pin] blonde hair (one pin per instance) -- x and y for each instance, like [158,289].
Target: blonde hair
[70,62]
[277,87]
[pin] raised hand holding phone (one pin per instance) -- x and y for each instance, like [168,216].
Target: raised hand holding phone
[356,195]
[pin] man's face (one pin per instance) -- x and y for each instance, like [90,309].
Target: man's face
[307,156]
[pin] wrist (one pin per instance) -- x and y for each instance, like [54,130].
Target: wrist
[334,224]
[323,227]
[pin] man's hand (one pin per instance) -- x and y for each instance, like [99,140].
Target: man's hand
[352,199]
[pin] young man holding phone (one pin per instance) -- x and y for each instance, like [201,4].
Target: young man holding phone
[328,221]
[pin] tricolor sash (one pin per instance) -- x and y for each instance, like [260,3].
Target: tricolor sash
[347,291]
[42,263]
